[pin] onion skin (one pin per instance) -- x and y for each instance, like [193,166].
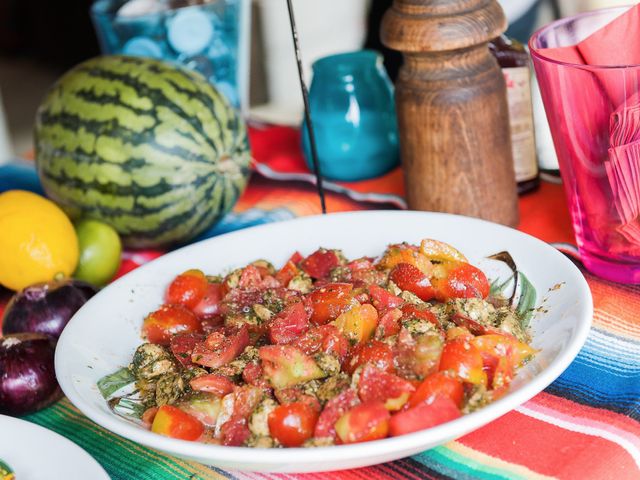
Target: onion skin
[45,307]
[27,374]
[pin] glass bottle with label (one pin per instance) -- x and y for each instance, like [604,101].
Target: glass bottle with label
[514,61]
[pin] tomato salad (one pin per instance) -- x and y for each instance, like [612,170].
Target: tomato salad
[325,350]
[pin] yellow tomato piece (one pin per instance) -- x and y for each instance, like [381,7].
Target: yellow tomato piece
[359,323]
[440,251]
[396,254]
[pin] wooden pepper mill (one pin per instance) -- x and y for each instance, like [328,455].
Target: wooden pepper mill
[452,109]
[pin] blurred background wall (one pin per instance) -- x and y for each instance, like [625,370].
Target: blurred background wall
[40,39]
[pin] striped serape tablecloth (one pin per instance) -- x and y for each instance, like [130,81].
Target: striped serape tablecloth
[583,426]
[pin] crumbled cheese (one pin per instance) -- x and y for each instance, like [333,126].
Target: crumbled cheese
[329,364]
[262,312]
[258,422]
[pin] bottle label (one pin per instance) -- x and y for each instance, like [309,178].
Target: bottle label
[521,120]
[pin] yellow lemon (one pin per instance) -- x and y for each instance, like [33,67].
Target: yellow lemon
[37,241]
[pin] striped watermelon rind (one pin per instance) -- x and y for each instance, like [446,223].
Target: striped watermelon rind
[149,147]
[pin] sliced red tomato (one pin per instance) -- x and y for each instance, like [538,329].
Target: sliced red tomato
[459,280]
[173,422]
[375,385]
[286,365]
[212,383]
[246,399]
[328,302]
[250,277]
[187,289]
[359,323]
[364,422]
[332,411]
[286,273]
[289,324]
[382,299]
[463,359]
[389,323]
[235,431]
[499,345]
[325,338]
[219,349]
[292,424]
[253,374]
[419,312]
[418,356]
[374,352]
[436,410]
[319,264]
[439,383]
[209,304]
[410,278]
[169,320]
[182,346]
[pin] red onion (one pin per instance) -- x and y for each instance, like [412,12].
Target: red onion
[45,307]
[27,375]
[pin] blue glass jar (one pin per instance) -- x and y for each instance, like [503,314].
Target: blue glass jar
[354,118]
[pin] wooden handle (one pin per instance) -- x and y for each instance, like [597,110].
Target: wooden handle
[452,108]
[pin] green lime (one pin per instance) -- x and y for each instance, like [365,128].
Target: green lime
[100,252]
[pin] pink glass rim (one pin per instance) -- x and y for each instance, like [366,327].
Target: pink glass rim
[536,52]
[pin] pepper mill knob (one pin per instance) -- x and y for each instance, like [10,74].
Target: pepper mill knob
[452,109]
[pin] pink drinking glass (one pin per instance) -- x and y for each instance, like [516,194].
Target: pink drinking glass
[589,109]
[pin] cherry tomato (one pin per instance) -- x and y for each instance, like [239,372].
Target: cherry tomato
[364,422]
[389,323]
[209,304]
[438,383]
[410,278]
[325,338]
[319,264]
[219,349]
[359,323]
[173,422]
[459,280]
[182,346]
[253,374]
[419,312]
[382,299]
[375,353]
[328,302]
[286,273]
[296,395]
[250,277]
[169,320]
[463,359]
[504,346]
[212,383]
[187,289]
[235,431]
[332,411]
[440,251]
[289,324]
[378,386]
[436,410]
[292,424]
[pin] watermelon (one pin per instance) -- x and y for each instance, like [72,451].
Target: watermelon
[149,147]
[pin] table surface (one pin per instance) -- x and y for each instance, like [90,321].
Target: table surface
[584,425]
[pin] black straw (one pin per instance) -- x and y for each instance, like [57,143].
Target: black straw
[307,112]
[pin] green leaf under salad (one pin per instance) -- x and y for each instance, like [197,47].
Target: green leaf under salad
[110,384]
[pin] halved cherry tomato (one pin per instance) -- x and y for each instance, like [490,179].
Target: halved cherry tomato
[173,422]
[169,320]
[359,323]
[419,312]
[292,424]
[289,324]
[219,349]
[440,251]
[376,353]
[319,264]
[296,395]
[436,410]
[212,383]
[410,278]
[209,304]
[504,346]
[459,280]
[439,383]
[364,422]
[250,277]
[405,253]
[389,323]
[328,302]
[463,359]
[187,289]
[375,385]
[235,431]
[382,299]
[286,273]
[333,410]
[253,374]
[286,365]
[325,338]
[182,346]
